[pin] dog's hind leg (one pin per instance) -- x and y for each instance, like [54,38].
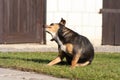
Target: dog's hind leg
[75,60]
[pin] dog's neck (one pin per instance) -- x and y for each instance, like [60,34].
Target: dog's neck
[56,38]
[59,42]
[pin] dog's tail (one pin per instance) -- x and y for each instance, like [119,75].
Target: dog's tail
[84,64]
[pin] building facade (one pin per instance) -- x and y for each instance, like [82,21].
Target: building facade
[82,16]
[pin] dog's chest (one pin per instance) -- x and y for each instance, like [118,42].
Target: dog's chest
[68,47]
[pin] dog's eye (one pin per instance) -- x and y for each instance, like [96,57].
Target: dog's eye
[51,24]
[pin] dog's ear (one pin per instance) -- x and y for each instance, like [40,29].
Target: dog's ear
[63,22]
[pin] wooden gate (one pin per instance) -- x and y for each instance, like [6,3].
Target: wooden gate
[111,22]
[22,21]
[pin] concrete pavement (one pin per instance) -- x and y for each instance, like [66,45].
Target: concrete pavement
[27,48]
[10,74]
[48,48]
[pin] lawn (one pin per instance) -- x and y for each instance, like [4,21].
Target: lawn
[105,66]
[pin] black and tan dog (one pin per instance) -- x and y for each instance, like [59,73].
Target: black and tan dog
[76,48]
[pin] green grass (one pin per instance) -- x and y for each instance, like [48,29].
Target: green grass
[105,66]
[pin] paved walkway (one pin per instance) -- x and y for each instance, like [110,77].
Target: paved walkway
[48,48]
[9,74]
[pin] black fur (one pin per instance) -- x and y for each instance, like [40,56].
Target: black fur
[79,42]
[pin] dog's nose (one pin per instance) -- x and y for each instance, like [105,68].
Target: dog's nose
[45,26]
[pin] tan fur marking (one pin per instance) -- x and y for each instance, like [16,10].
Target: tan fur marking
[53,28]
[66,31]
[69,48]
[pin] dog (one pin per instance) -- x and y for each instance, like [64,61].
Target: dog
[77,49]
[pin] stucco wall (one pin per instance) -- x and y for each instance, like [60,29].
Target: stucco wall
[81,15]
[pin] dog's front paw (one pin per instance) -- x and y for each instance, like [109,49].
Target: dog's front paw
[72,67]
[49,64]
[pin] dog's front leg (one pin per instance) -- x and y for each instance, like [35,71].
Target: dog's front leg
[55,61]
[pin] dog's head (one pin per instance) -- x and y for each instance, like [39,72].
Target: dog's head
[53,28]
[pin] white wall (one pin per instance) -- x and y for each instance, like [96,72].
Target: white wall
[81,15]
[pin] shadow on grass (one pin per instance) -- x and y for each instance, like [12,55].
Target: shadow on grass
[34,60]
[24,59]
